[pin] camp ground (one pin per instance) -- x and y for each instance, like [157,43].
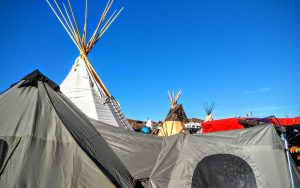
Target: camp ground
[47,141]
[76,135]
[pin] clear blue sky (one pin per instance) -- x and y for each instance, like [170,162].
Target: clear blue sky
[242,55]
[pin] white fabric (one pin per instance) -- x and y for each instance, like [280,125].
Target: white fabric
[80,87]
[149,123]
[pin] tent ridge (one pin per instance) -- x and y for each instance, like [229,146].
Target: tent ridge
[114,174]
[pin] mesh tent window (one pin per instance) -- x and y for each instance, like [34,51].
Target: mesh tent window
[223,171]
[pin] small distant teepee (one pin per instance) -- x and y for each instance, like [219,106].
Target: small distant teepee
[83,86]
[175,121]
[209,108]
[149,123]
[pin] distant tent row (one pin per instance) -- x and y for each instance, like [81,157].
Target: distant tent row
[239,123]
[46,141]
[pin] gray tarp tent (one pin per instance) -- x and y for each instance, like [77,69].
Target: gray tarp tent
[251,157]
[136,150]
[46,141]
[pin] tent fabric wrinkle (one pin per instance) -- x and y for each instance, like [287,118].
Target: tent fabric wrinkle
[89,139]
[137,151]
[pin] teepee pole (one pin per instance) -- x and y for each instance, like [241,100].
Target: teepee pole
[72,25]
[62,23]
[103,30]
[85,23]
[69,19]
[67,23]
[93,37]
[74,20]
[97,77]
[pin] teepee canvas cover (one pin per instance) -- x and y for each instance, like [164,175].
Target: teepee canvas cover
[82,89]
[83,86]
[46,141]
[175,121]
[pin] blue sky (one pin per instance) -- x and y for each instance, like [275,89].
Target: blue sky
[241,55]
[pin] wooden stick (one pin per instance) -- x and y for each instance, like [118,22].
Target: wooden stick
[95,41]
[63,24]
[74,20]
[85,23]
[109,19]
[70,21]
[100,35]
[64,18]
[68,16]
[99,80]
[77,37]
[107,8]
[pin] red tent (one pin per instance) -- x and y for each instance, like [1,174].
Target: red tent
[287,121]
[239,123]
[221,125]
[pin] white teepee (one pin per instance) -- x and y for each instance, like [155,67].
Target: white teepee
[149,123]
[83,86]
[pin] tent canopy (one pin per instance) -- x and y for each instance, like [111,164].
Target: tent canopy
[51,142]
[251,157]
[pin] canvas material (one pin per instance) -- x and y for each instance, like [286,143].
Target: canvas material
[136,150]
[82,89]
[55,149]
[259,146]
[77,87]
[174,123]
[169,128]
[46,155]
